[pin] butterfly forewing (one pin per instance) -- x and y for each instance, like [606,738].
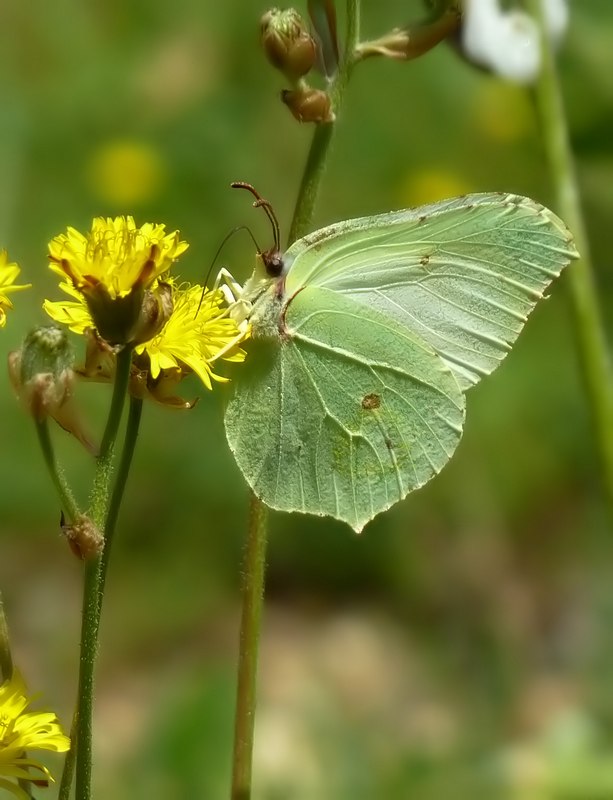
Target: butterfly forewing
[462,274]
[346,414]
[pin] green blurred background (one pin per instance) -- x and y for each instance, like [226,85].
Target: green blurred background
[462,646]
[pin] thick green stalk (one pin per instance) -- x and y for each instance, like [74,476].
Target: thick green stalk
[255,555]
[588,327]
[91,594]
[253,597]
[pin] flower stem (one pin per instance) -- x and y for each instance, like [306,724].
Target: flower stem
[322,138]
[253,596]
[132,429]
[69,763]
[589,332]
[63,490]
[255,555]
[6,659]
[120,389]
[91,594]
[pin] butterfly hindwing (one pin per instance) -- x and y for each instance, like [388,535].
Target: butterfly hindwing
[345,413]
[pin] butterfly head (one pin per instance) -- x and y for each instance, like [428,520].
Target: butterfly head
[274,263]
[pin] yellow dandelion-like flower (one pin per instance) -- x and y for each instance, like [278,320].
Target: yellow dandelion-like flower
[115,253]
[74,314]
[22,731]
[8,275]
[112,267]
[197,333]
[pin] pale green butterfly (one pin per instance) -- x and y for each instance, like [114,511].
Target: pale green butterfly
[366,335]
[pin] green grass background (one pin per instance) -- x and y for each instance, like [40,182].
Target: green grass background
[462,646]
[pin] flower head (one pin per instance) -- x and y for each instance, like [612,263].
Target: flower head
[22,731]
[112,268]
[8,275]
[197,333]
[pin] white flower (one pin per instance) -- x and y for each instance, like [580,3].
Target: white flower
[508,42]
[556,18]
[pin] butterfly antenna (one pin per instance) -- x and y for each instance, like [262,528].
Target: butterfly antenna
[225,239]
[260,202]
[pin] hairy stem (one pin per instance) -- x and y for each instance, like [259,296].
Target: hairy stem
[255,556]
[61,487]
[589,332]
[253,597]
[322,138]
[91,588]
[132,429]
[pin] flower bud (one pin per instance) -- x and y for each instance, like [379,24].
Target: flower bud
[84,538]
[308,105]
[42,375]
[41,371]
[155,311]
[287,43]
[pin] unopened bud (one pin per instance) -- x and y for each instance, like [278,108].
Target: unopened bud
[287,43]
[84,538]
[42,375]
[41,371]
[156,308]
[308,105]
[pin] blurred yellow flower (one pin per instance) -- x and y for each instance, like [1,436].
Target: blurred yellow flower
[125,172]
[502,111]
[112,267]
[21,732]
[8,275]
[431,185]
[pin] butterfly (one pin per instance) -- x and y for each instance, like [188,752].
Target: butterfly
[365,337]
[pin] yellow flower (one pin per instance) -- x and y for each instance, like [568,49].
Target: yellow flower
[192,338]
[8,275]
[197,333]
[74,314]
[115,253]
[21,732]
[112,267]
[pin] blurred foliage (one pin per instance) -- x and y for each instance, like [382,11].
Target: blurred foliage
[461,647]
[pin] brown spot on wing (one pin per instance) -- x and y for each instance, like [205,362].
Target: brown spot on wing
[370,402]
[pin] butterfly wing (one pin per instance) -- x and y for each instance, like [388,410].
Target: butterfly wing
[344,414]
[462,274]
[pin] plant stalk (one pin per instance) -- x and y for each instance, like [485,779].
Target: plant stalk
[6,659]
[123,470]
[61,487]
[91,587]
[588,328]
[253,598]
[255,555]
